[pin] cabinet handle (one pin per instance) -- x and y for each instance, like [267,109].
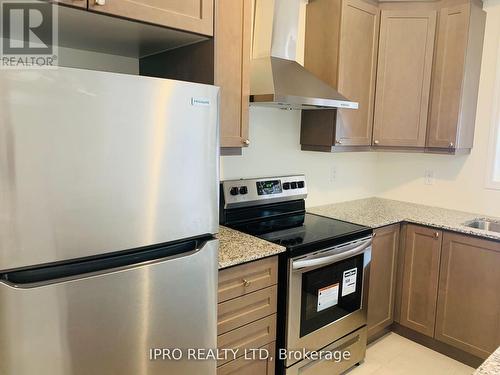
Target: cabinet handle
[376,142]
[246,142]
[451,145]
[100,2]
[246,283]
[436,235]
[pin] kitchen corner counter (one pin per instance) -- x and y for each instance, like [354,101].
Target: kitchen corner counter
[237,248]
[379,212]
[491,366]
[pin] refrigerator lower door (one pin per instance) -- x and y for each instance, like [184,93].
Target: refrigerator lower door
[106,323]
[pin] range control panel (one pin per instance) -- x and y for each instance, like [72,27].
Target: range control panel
[251,192]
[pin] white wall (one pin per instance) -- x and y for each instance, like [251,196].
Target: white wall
[460,180]
[275,150]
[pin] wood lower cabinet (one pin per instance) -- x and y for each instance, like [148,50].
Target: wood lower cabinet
[233,28]
[469,294]
[247,278]
[382,279]
[341,49]
[245,367]
[456,76]
[246,309]
[189,15]
[420,278]
[246,318]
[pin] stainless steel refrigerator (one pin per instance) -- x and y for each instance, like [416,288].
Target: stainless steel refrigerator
[108,207]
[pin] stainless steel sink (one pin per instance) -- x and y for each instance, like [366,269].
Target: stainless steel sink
[484,224]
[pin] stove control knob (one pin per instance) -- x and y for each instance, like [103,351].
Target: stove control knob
[243,190]
[301,184]
[286,185]
[293,185]
[234,191]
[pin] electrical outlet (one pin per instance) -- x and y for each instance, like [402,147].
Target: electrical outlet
[334,174]
[430,177]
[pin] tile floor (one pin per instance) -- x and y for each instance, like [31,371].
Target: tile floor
[395,355]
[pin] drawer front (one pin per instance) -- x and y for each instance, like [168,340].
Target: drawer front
[240,280]
[244,366]
[355,344]
[246,309]
[251,336]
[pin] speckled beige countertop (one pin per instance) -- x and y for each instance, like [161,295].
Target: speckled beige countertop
[237,248]
[378,212]
[491,366]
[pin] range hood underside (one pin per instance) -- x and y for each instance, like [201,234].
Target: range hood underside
[283,83]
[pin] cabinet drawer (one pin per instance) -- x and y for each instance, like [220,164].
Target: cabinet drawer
[243,366]
[246,309]
[240,280]
[355,344]
[251,336]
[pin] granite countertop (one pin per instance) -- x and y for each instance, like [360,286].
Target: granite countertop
[491,366]
[379,212]
[237,248]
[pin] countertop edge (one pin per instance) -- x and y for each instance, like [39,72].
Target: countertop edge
[491,366]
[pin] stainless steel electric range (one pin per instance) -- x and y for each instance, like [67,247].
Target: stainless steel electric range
[323,274]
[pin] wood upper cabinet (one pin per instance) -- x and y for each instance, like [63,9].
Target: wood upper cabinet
[75,3]
[456,76]
[357,71]
[406,48]
[189,15]
[469,295]
[341,48]
[233,27]
[420,278]
[382,279]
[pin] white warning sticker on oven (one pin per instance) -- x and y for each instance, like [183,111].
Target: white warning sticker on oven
[349,281]
[328,296]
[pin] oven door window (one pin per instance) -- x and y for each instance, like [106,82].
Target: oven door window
[330,293]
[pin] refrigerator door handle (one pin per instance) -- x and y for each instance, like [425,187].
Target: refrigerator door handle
[73,271]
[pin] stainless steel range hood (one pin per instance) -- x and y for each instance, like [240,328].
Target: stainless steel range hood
[276,79]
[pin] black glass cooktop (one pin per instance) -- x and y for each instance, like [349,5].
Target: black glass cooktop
[303,231]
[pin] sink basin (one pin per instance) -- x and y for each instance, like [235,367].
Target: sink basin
[489,225]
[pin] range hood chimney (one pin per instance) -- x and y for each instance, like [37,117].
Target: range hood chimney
[276,79]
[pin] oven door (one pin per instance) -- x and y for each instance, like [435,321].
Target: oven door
[327,295]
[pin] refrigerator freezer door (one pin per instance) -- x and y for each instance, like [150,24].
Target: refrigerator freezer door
[107,323]
[94,162]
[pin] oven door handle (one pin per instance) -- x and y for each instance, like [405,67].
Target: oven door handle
[304,264]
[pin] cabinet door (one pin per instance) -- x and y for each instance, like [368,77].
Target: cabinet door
[232,60]
[244,366]
[189,15]
[469,297]
[448,76]
[420,279]
[357,71]
[403,77]
[75,3]
[382,279]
